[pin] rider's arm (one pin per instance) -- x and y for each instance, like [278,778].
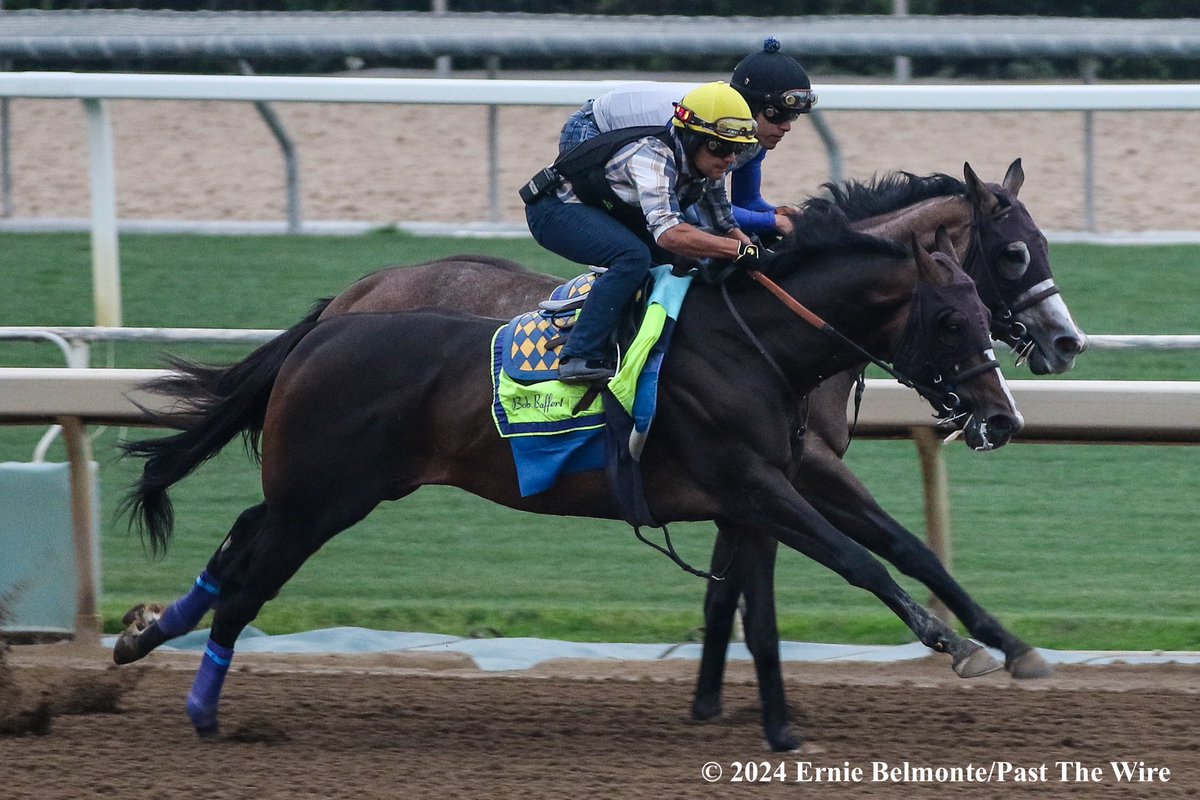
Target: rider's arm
[650,168]
[687,240]
[752,212]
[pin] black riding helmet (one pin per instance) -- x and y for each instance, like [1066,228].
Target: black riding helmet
[771,78]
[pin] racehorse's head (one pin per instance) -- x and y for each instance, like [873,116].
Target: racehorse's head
[947,351]
[1012,272]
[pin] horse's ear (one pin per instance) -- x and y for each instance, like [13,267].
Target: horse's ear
[1014,178]
[980,194]
[928,268]
[943,242]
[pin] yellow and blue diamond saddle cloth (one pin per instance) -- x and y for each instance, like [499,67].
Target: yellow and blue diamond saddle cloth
[531,343]
[550,432]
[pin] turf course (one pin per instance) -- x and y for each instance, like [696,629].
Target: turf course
[1080,546]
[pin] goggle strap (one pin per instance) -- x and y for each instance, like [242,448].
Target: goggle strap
[687,116]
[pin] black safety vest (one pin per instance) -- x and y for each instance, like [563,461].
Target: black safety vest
[583,165]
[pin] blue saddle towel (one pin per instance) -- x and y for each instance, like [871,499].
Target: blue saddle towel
[535,411]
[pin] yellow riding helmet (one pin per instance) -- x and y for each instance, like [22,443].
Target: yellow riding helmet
[716,109]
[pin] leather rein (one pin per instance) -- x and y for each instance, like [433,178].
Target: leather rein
[948,400]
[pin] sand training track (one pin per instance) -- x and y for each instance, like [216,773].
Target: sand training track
[407,725]
[218,161]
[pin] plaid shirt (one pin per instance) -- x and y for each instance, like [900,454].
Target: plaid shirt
[645,173]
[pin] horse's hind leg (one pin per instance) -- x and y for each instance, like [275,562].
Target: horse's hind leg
[148,629]
[252,576]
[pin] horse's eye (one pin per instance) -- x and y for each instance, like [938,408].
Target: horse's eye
[951,327]
[1013,261]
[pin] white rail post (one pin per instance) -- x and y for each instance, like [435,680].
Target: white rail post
[937,505]
[493,134]
[79,454]
[903,64]
[106,265]
[1089,67]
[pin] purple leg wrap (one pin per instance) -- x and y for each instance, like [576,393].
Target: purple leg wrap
[206,689]
[186,612]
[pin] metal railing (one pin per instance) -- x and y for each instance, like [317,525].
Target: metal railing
[94,89]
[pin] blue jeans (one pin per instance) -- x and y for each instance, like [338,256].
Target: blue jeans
[587,235]
[578,128]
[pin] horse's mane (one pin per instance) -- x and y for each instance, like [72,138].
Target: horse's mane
[860,200]
[824,229]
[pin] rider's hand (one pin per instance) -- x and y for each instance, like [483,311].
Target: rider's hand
[749,256]
[783,223]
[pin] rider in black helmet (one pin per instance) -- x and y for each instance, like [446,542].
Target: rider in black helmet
[778,91]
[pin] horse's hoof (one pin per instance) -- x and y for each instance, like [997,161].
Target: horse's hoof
[126,650]
[704,710]
[785,740]
[1029,664]
[204,719]
[979,662]
[142,615]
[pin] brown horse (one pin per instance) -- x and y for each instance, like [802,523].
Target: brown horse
[1007,258]
[363,408]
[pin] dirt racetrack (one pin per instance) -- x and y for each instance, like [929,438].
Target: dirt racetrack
[405,725]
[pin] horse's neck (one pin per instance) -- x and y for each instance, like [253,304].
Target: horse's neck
[923,219]
[868,301]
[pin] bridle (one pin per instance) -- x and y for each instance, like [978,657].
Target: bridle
[1005,326]
[935,388]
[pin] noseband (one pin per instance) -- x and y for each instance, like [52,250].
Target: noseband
[938,391]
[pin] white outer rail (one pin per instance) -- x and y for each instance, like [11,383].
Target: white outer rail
[469,91]
[93,89]
[1149,412]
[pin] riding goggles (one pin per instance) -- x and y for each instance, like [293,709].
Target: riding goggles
[788,106]
[723,149]
[725,127]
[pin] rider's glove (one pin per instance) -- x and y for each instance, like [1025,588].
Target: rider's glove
[750,256]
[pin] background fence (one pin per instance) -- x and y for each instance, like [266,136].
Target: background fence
[95,89]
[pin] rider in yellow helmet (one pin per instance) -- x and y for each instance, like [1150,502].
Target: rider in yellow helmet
[617,201]
[773,84]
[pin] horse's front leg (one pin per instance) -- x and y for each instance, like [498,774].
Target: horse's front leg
[839,495]
[750,561]
[720,610]
[795,522]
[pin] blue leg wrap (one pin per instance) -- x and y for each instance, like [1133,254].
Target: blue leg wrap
[206,689]
[186,612]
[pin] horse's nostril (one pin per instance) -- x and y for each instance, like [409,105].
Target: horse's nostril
[1070,345]
[1003,424]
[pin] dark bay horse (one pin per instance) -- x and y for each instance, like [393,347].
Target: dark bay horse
[369,407]
[1006,255]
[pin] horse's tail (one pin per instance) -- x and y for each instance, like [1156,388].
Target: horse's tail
[213,405]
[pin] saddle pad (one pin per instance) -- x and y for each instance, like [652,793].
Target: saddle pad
[522,408]
[535,412]
[522,347]
[546,438]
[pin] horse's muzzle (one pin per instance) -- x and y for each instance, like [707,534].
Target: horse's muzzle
[992,432]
